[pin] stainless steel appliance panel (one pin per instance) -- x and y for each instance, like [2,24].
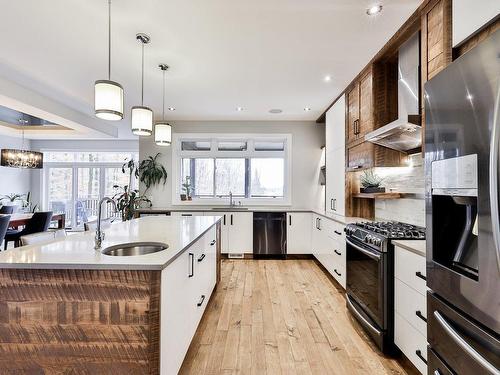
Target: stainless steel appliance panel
[269,234]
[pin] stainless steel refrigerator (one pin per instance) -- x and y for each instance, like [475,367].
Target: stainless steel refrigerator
[462,141]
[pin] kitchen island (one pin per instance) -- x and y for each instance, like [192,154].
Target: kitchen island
[67,308]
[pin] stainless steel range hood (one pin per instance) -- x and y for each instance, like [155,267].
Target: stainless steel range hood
[405,133]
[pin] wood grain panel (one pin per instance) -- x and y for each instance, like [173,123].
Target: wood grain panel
[366,124]
[352,112]
[79,321]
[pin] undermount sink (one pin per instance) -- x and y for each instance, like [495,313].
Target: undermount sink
[229,208]
[134,248]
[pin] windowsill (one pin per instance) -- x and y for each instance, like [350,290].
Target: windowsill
[225,202]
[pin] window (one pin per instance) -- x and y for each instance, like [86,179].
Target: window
[251,169]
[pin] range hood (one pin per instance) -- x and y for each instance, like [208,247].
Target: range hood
[405,133]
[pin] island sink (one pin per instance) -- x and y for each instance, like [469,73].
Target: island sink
[135,248]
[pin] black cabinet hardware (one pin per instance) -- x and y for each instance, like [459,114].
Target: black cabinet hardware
[201,300]
[331,204]
[337,252]
[200,259]
[212,243]
[419,314]
[224,219]
[290,219]
[419,274]
[337,272]
[231,219]
[319,223]
[191,271]
[419,355]
[337,232]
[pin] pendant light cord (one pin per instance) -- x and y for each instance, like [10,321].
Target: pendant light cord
[109,40]
[163,103]
[142,79]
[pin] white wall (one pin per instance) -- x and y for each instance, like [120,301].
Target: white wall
[308,137]
[14,180]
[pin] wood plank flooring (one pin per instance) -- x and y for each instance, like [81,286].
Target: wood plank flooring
[281,317]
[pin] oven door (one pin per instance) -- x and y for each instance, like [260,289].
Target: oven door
[366,283]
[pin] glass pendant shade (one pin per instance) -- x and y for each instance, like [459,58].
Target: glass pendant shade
[163,134]
[21,159]
[108,100]
[142,120]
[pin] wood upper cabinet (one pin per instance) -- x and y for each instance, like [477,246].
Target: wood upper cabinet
[352,113]
[360,108]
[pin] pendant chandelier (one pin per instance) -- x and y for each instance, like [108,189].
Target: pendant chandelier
[142,117]
[163,130]
[108,95]
[20,158]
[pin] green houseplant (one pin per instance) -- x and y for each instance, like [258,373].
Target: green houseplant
[128,200]
[371,182]
[187,188]
[151,172]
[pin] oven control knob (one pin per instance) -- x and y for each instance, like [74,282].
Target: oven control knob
[368,239]
[377,241]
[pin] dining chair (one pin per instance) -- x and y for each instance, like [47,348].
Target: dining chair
[39,222]
[7,210]
[4,225]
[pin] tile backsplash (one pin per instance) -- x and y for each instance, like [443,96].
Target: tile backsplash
[404,180]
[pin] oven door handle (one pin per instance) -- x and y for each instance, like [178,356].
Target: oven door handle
[355,311]
[364,251]
[464,345]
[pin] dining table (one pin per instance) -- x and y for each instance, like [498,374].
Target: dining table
[21,219]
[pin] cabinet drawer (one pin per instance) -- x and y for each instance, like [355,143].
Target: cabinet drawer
[411,305]
[338,273]
[410,268]
[411,343]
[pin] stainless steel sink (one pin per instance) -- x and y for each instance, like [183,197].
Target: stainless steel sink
[134,248]
[229,208]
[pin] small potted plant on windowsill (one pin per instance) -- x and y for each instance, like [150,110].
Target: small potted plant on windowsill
[187,188]
[371,182]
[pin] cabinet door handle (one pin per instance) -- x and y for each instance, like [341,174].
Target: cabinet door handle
[419,314]
[335,204]
[357,167]
[290,220]
[337,272]
[419,274]
[212,243]
[337,252]
[331,204]
[186,214]
[337,232]
[319,223]
[224,219]
[231,219]
[200,259]
[202,299]
[191,271]
[419,355]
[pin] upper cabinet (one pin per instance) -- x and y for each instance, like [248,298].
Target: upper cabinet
[360,108]
[335,125]
[469,16]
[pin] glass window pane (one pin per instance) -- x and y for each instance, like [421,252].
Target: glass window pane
[203,180]
[230,177]
[269,145]
[59,156]
[60,190]
[88,195]
[268,177]
[195,145]
[232,146]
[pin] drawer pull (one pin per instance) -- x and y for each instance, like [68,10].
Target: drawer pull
[419,314]
[202,256]
[186,214]
[419,274]
[202,299]
[191,271]
[419,355]
[337,272]
[337,232]
[212,243]
[337,252]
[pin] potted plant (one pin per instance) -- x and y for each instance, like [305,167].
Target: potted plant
[187,188]
[151,172]
[371,182]
[128,200]
[13,199]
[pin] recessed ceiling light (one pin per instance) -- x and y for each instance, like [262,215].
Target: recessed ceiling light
[239,109]
[328,78]
[307,109]
[171,108]
[275,110]
[371,11]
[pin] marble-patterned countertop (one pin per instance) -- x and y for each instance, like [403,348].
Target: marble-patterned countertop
[77,251]
[415,246]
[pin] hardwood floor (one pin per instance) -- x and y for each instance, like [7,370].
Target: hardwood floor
[281,317]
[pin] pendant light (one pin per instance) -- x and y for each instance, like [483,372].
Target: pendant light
[20,158]
[163,130]
[108,95]
[142,117]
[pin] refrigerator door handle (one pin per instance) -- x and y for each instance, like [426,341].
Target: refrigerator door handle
[464,345]
[494,146]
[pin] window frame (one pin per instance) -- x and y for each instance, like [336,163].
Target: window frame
[178,154]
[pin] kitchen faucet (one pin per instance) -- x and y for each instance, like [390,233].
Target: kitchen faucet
[231,202]
[99,235]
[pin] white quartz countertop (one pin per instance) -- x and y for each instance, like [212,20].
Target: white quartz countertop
[77,251]
[415,246]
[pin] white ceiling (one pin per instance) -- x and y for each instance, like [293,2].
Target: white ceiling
[257,54]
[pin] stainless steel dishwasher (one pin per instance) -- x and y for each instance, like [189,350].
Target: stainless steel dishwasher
[269,235]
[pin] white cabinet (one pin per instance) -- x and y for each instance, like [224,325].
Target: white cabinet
[187,213]
[335,158]
[237,232]
[298,233]
[469,16]
[410,306]
[187,284]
